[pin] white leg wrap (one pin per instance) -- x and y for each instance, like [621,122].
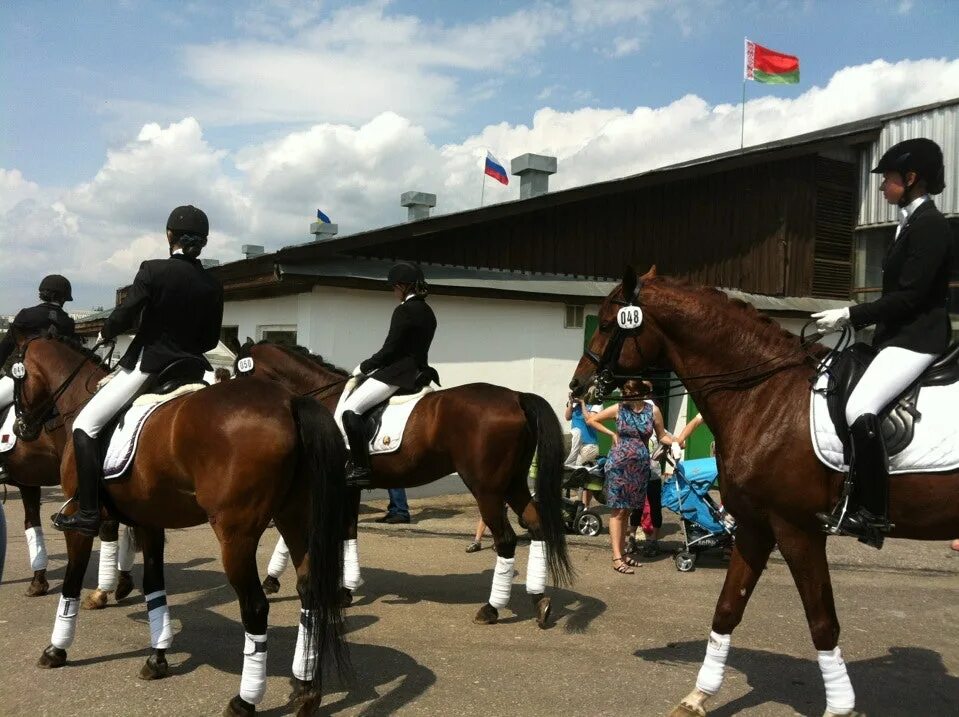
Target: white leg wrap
[502,582]
[304,663]
[840,697]
[710,677]
[351,565]
[65,626]
[37,547]
[253,679]
[279,560]
[536,568]
[161,632]
[108,575]
[125,552]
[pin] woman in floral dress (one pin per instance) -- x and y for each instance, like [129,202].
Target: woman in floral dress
[627,467]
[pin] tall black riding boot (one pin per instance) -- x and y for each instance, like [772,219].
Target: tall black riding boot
[89,470]
[360,474]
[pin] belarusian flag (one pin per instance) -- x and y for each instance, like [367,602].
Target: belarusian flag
[770,67]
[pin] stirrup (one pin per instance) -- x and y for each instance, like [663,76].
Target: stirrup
[359,477]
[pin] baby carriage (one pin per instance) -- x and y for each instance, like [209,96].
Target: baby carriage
[576,516]
[705,524]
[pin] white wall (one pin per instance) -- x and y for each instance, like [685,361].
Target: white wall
[518,344]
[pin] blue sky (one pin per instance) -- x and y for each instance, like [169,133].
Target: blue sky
[261,111]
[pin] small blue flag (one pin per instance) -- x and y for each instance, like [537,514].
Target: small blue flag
[322,217]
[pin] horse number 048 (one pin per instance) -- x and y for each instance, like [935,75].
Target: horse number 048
[629,317]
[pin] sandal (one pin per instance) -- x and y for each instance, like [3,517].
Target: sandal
[632,563]
[474,547]
[623,567]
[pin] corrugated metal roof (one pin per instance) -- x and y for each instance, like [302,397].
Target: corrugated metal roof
[939,123]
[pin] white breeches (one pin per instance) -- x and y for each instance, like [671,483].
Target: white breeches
[110,399]
[370,393]
[6,392]
[889,374]
[574,446]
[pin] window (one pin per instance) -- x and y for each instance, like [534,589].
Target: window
[285,335]
[574,317]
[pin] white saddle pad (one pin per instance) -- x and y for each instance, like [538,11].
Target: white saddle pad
[934,447]
[8,441]
[124,441]
[390,435]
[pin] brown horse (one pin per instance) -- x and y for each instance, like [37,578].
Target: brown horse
[31,466]
[229,455]
[487,434]
[751,380]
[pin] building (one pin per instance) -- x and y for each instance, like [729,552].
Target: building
[793,226]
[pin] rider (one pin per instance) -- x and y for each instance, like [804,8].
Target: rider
[55,291]
[180,307]
[912,325]
[399,364]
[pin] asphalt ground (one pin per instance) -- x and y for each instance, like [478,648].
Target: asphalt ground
[620,644]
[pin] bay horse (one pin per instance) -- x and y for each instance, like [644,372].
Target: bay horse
[230,455]
[33,465]
[485,433]
[751,381]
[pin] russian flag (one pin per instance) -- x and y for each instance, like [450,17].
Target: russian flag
[495,169]
[322,217]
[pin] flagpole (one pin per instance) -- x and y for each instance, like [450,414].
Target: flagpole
[742,122]
[483,190]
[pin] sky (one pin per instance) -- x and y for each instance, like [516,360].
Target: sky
[112,112]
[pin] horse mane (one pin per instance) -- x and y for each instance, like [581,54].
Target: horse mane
[303,352]
[76,344]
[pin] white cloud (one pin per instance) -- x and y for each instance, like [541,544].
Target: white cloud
[98,231]
[623,46]
[904,7]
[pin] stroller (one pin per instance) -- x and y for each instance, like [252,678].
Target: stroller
[578,518]
[705,524]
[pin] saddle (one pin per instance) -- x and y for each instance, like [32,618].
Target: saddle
[899,417]
[403,402]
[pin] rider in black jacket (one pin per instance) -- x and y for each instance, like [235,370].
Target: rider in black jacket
[180,307]
[403,362]
[912,326]
[55,291]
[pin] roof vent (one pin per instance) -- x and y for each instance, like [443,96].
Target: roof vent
[419,204]
[323,231]
[533,171]
[209,263]
[252,250]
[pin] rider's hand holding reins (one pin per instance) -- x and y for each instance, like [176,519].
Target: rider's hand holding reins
[831,319]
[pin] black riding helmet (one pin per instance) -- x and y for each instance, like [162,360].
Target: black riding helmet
[188,220]
[920,155]
[405,273]
[57,286]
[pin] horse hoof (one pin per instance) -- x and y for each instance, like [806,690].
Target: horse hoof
[124,585]
[304,698]
[239,707]
[346,597]
[684,710]
[52,657]
[486,615]
[155,668]
[97,600]
[543,609]
[39,585]
[271,585]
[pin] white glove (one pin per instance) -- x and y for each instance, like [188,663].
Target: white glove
[99,338]
[356,372]
[105,380]
[831,319]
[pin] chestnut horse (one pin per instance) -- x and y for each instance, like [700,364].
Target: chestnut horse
[31,466]
[487,434]
[751,380]
[229,455]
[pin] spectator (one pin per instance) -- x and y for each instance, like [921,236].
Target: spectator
[955,544]
[221,375]
[398,511]
[688,429]
[477,543]
[650,517]
[628,466]
[584,447]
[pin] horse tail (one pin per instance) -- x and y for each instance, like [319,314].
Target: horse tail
[550,453]
[322,459]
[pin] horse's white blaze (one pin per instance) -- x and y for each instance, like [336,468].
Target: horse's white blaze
[37,547]
[65,625]
[502,582]
[253,678]
[536,568]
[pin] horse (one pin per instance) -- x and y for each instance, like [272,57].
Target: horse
[33,465]
[485,433]
[230,455]
[751,381]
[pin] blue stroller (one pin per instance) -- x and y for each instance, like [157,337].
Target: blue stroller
[705,524]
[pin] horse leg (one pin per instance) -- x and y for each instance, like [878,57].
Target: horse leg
[238,546]
[279,561]
[107,573]
[30,495]
[126,553]
[151,541]
[493,510]
[523,505]
[805,554]
[65,624]
[351,556]
[753,545]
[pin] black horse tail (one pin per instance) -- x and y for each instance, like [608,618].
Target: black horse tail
[550,454]
[322,458]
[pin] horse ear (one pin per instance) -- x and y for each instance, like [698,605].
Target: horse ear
[651,274]
[629,281]
[248,342]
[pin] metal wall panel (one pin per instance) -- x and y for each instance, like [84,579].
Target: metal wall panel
[942,126]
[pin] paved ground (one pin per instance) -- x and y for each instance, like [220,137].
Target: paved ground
[621,644]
